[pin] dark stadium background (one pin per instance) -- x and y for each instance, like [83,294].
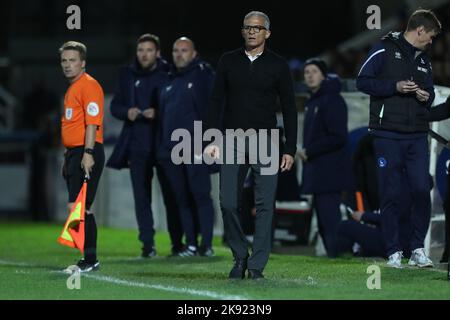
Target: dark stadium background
[31,30]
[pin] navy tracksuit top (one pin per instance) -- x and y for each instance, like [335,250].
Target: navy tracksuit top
[325,140]
[393,114]
[136,88]
[183,100]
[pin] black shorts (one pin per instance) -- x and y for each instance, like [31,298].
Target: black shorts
[75,175]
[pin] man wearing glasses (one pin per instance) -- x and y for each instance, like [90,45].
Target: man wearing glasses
[248,82]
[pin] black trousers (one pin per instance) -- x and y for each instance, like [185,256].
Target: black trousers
[173,218]
[141,171]
[328,216]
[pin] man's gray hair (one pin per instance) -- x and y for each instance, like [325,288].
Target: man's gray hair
[259,14]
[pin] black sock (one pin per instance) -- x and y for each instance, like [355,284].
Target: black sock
[90,240]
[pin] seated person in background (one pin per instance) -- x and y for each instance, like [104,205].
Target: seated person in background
[361,234]
[364,229]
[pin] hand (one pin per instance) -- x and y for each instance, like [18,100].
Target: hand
[212,151]
[149,113]
[87,163]
[133,113]
[302,155]
[286,162]
[406,86]
[357,215]
[422,95]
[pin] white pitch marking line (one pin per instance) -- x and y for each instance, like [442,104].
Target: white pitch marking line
[203,293]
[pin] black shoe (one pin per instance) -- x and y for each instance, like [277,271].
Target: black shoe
[88,267]
[148,252]
[255,274]
[238,271]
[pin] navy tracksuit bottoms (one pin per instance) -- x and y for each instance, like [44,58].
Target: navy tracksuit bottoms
[141,171]
[327,206]
[192,183]
[398,159]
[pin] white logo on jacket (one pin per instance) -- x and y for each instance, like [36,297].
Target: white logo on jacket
[422,69]
[137,83]
[69,113]
[93,109]
[398,55]
[190,85]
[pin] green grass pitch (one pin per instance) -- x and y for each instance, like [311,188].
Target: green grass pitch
[31,262]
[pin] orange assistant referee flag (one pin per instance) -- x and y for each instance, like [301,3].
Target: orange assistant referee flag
[73,231]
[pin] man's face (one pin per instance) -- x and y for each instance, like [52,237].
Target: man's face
[424,38]
[147,54]
[71,64]
[313,76]
[183,53]
[256,36]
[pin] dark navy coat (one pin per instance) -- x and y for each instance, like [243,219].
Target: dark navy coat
[183,100]
[327,169]
[136,88]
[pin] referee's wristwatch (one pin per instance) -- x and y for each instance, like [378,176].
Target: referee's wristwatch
[89,151]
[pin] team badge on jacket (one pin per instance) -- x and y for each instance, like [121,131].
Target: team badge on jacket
[382,162]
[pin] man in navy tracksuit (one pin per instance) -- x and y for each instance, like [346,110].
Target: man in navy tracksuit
[326,158]
[135,103]
[183,101]
[397,76]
